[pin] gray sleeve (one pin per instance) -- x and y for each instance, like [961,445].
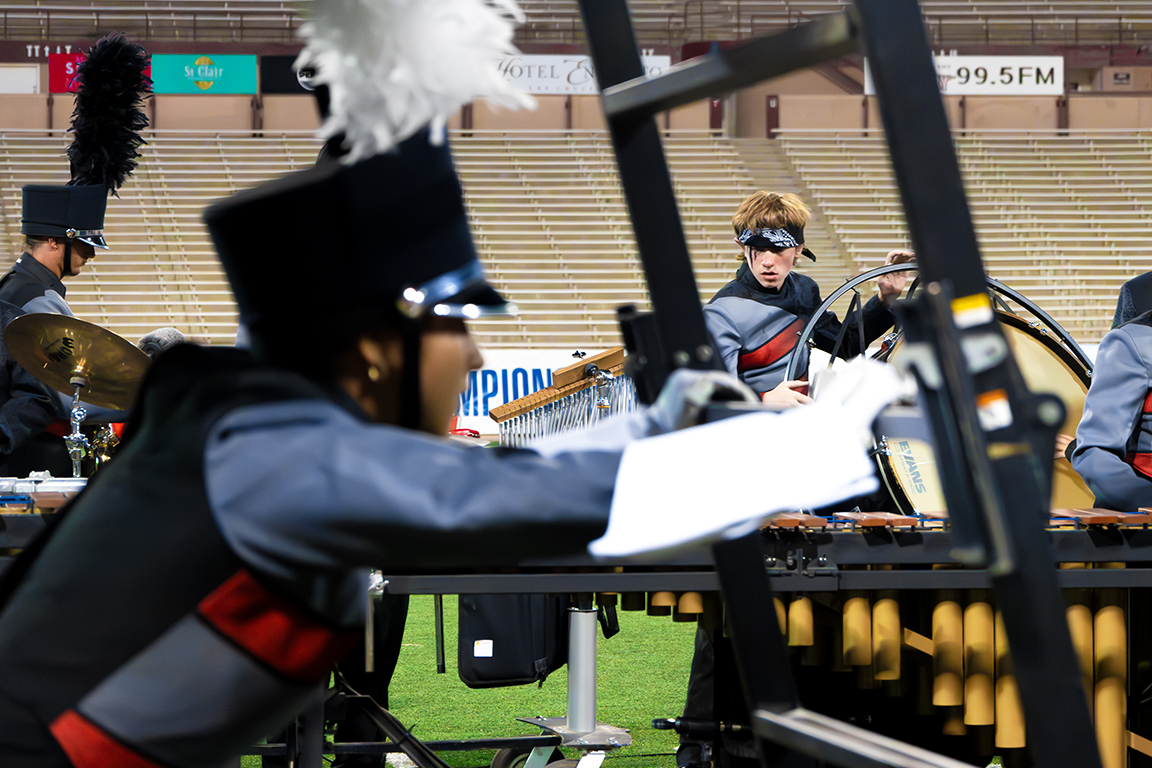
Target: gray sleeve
[51,302]
[1112,412]
[725,335]
[304,484]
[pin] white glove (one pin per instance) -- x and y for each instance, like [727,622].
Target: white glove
[693,486]
[688,392]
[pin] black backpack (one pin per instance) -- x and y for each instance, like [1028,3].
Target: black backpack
[511,639]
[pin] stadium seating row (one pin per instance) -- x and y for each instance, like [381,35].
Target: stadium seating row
[1063,219]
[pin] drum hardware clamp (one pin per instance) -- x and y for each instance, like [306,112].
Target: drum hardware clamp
[796,563]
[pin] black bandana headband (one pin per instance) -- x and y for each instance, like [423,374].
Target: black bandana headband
[775,239]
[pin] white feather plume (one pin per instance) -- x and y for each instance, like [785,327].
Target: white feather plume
[395,66]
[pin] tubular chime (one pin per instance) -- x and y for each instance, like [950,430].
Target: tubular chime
[580,395]
[956,659]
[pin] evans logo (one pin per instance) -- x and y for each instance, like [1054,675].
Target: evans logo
[910,466]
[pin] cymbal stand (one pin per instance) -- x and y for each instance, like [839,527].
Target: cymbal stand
[77,443]
[103,443]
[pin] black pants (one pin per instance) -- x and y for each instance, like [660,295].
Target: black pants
[714,693]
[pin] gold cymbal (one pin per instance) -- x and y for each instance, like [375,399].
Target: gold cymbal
[60,349]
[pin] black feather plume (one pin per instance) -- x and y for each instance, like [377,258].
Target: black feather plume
[108,114]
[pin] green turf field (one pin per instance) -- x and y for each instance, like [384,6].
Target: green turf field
[642,674]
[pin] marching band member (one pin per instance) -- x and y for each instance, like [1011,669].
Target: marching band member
[755,322]
[63,225]
[202,586]
[755,319]
[1113,448]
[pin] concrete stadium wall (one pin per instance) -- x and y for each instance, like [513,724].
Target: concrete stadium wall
[1099,111]
[214,113]
[751,103]
[289,113]
[1032,113]
[24,110]
[747,116]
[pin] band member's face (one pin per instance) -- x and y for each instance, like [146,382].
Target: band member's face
[771,267]
[81,253]
[448,355]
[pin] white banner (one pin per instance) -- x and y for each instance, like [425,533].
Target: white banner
[993,75]
[564,74]
[507,375]
[19,78]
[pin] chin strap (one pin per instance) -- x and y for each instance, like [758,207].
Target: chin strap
[410,405]
[67,258]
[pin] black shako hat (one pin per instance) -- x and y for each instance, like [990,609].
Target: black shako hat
[356,246]
[65,211]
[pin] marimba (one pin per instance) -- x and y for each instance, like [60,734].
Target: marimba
[878,613]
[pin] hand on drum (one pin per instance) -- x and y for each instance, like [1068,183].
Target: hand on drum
[785,395]
[892,285]
[1062,443]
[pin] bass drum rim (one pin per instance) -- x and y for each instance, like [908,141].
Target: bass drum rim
[1067,485]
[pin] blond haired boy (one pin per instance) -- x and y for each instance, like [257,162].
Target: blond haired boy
[755,320]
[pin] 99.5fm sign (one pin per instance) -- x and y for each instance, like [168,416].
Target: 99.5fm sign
[62,70]
[994,75]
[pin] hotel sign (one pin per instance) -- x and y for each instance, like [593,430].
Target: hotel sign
[564,74]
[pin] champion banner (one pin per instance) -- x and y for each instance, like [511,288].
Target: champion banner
[507,375]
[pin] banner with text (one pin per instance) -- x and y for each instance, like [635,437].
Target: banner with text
[564,74]
[507,375]
[993,76]
[219,73]
[62,69]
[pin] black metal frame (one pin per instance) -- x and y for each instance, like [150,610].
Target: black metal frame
[999,482]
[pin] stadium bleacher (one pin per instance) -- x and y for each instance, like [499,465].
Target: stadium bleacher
[1062,219]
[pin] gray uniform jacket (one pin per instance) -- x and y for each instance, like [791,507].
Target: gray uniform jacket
[1114,440]
[755,329]
[207,579]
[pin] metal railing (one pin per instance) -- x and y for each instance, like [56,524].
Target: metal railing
[273,22]
[738,20]
[277,21]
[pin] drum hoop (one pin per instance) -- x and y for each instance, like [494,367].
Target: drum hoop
[1069,344]
[882,454]
[1053,346]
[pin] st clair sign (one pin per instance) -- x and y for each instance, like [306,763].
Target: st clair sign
[564,74]
[217,73]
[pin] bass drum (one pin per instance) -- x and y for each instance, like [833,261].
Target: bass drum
[908,461]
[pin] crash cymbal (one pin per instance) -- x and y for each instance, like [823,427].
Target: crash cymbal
[60,349]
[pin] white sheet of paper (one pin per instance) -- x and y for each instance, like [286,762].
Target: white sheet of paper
[689,487]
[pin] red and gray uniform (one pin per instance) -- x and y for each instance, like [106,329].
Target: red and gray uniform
[755,328]
[207,580]
[33,287]
[1114,440]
